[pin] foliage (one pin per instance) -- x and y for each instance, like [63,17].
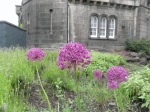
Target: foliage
[15,76]
[137,86]
[36,54]
[74,56]
[103,61]
[52,73]
[141,45]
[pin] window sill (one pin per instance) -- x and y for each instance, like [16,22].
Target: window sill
[113,39]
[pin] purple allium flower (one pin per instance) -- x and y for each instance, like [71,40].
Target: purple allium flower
[112,85]
[73,54]
[97,74]
[116,73]
[35,54]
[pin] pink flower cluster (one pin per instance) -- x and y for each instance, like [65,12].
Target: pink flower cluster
[97,74]
[35,54]
[73,54]
[114,76]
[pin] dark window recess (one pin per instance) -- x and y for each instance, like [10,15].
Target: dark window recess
[98,3]
[51,21]
[84,1]
[91,2]
[105,4]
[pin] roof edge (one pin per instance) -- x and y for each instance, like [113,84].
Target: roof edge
[3,21]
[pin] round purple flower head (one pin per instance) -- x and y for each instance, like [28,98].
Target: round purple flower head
[116,73]
[73,54]
[112,85]
[97,74]
[35,54]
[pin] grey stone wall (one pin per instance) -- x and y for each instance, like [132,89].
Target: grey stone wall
[143,22]
[11,35]
[39,28]
[80,25]
[131,16]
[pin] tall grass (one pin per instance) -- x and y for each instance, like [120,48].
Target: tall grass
[17,75]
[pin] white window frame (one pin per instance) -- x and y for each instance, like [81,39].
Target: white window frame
[103,28]
[113,28]
[94,36]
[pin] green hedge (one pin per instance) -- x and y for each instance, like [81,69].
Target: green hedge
[141,45]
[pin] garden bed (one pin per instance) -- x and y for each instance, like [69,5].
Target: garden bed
[21,91]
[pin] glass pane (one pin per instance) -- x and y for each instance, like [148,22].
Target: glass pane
[102,32]
[93,31]
[113,23]
[103,22]
[111,32]
[94,22]
[103,25]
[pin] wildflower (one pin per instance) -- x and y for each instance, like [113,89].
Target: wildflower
[73,54]
[117,74]
[112,85]
[35,54]
[97,74]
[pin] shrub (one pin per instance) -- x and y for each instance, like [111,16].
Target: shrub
[141,45]
[137,86]
[103,61]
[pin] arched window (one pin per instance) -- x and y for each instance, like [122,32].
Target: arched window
[103,27]
[112,27]
[94,26]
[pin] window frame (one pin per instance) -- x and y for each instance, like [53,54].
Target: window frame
[94,36]
[107,27]
[114,28]
[102,28]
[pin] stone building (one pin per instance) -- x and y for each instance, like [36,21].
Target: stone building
[103,24]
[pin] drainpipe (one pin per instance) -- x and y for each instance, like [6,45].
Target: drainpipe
[67,23]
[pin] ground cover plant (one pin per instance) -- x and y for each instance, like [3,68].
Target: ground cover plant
[21,91]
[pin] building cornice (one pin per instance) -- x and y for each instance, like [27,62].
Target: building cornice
[102,3]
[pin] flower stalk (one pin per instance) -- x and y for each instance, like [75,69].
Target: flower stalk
[116,101]
[77,90]
[39,79]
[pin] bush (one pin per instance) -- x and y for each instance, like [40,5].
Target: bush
[137,86]
[103,61]
[141,45]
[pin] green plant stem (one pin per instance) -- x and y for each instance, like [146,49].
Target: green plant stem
[77,89]
[116,100]
[49,105]
[120,100]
